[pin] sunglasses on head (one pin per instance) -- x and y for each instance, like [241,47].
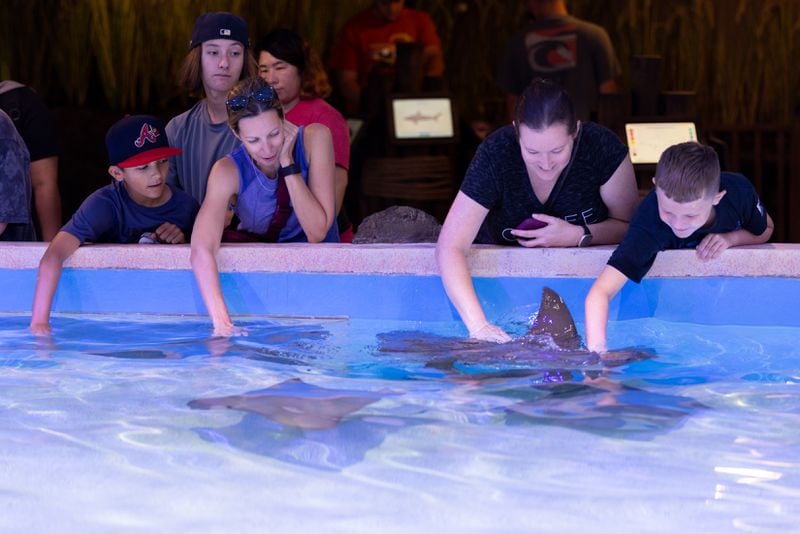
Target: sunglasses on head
[265,95]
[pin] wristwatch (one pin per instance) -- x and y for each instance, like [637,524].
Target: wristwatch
[283,172]
[586,238]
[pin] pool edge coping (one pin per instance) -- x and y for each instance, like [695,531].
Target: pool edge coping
[771,260]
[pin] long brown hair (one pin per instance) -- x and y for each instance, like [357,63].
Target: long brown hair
[190,76]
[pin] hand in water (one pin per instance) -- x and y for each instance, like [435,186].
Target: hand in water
[230,330]
[490,332]
[40,329]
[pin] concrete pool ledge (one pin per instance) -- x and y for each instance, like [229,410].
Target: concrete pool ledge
[754,285]
[770,260]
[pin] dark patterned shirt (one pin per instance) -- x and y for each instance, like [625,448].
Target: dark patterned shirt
[498,180]
[15,184]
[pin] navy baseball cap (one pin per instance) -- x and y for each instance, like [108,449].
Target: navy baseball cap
[219,25]
[138,140]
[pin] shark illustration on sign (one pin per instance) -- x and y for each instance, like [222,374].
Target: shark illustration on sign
[418,117]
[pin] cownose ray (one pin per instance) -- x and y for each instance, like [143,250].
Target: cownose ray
[295,403]
[600,406]
[570,385]
[552,341]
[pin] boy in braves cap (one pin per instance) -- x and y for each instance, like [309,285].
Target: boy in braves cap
[139,206]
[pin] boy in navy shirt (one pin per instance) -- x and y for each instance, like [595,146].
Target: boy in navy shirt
[138,207]
[691,206]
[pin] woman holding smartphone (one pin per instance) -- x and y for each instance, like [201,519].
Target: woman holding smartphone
[574,179]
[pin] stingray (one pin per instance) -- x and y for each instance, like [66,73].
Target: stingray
[295,403]
[138,354]
[279,344]
[609,409]
[552,341]
[326,449]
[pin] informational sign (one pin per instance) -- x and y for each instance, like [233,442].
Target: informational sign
[422,118]
[647,140]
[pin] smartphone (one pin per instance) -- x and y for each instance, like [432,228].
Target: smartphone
[531,223]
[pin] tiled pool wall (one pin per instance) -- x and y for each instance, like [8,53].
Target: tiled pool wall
[749,285]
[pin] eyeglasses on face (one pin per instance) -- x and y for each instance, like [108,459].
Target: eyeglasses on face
[265,95]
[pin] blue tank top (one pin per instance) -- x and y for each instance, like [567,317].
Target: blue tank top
[258,197]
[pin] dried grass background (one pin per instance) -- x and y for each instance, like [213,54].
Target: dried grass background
[740,56]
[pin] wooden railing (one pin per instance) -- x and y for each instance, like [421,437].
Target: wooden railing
[769,155]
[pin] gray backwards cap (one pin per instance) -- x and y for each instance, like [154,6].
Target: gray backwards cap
[219,25]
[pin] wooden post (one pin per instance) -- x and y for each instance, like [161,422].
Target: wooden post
[645,84]
[793,189]
[679,105]
[613,109]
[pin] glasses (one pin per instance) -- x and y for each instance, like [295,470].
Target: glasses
[265,95]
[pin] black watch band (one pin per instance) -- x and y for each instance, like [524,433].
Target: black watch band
[283,172]
[586,238]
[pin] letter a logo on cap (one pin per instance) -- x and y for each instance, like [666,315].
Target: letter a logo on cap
[225,31]
[147,133]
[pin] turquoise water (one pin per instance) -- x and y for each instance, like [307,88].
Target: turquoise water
[146,423]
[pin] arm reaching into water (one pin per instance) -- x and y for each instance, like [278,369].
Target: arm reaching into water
[223,183]
[598,299]
[459,230]
[61,247]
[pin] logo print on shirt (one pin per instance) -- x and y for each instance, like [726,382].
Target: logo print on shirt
[552,49]
[760,208]
[586,216]
[147,133]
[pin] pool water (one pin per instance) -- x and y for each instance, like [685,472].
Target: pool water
[134,423]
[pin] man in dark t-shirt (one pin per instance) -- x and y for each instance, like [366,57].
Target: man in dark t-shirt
[574,53]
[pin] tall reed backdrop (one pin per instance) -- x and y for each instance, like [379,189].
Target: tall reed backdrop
[739,56]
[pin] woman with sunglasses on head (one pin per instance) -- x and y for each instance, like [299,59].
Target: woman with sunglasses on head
[279,184]
[294,70]
[547,180]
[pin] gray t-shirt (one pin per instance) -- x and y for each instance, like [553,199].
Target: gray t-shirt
[15,184]
[202,142]
[576,54]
